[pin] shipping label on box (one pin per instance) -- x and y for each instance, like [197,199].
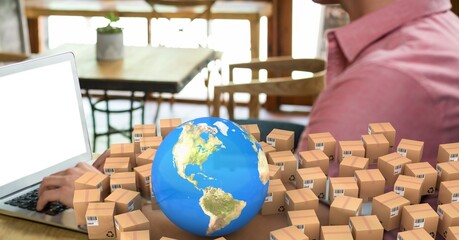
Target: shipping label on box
[419,216]
[117,164]
[93,180]
[314,158]
[415,234]
[131,221]
[324,142]
[448,152]
[140,131]
[349,164]
[125,180]
[99,220]
[449,192]
[384,128]
[282,140]
[275,198]
[366,227]
[376,145]
[146,157]
[424,171]
[340,186]
[253,130]
[392,165]
[350,148]
[143,176]
[287,233]
[449,216]
[409,188]
[81,200]
[306,221]
[447,171]
[125,200]
[167,125]
[370,182]
[340,232]
[388,208]
[312,178]
[301,199]
[124,150]
[411,149]
[287,162]
[343,208]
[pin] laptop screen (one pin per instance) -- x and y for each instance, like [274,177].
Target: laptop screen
[42,122]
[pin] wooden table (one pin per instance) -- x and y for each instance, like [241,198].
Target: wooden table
[248,10]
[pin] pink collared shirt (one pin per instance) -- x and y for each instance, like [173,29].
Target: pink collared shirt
[399,64]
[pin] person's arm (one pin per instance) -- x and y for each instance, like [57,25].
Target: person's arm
[60,186]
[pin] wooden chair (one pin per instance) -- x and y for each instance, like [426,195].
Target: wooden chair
[282,84]
[14,38]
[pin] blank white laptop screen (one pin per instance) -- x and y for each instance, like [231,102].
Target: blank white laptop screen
[41,123]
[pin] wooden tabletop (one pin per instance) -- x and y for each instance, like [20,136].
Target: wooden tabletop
[148,69]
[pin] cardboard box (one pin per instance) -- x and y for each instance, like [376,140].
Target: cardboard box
[324,142]
[116,164]
[140,131]
[376,145]
[253,130]
[99,220]
[449,216]
[424,171]
[349,164]
[146,157]
[282,140]
[266,148]
[449,192]
[340,232]
[306,221]
[350,148]
[314,158]
[167,125]
[388,208]
[392,165]
[370,182]
[93,180]
[312,178]
[340,186]
[275,198]
[366,227]
[411,149]
[81,200]
[131,221]
[287,233]
[166,238]
[125,200]
[135,235]
[453,233]
[220,238]
[409,188]
[288,163]
[384,128]
[125,180]
[343,208]
[150,142]
[419,216]
[124,150]
[143,176]
[416,234]
[301,199]
[448,152]
[274,171]
[447,171]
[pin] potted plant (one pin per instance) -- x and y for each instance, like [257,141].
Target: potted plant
[109,45]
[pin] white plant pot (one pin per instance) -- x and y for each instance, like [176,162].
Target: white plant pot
[109,46]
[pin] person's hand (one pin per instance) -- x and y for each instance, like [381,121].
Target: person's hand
[60,186]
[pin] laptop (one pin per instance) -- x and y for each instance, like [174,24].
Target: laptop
[43,130]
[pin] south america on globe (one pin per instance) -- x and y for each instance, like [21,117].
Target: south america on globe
[210,176]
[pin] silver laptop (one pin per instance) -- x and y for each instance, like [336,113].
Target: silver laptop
[43,130]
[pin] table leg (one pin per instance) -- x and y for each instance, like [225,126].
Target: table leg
[255,38]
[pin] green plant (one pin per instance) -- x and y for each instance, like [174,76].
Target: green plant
[109,28]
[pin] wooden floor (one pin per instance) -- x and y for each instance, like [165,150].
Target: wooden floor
[185,111]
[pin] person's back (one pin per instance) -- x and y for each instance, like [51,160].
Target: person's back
[398,64]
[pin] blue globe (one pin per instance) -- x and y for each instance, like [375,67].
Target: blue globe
[210,176]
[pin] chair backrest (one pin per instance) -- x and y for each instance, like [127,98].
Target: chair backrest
[14,38]
[204,5]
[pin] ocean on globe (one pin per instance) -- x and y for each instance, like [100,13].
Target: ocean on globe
[210,176]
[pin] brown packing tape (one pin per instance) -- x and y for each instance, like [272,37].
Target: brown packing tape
[99,209]
[415,234]
[381,125]
[121,196]
[398,156]
[346,202]
[334,232]
[454,167]
[411,143]
[407,180]
[314,155]
[129,215]
[86,195]
[121,178]
[288,234]
[420,210]
[303,196]
[375,139]
[420,167]
[91,178]
[350,143]
[455,207]
[370,175]
[366,223]
[354,159]
[391,199]
[304,216]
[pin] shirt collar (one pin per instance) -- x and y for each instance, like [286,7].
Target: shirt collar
[356,36]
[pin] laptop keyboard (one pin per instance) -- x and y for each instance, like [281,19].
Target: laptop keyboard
[29,201]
